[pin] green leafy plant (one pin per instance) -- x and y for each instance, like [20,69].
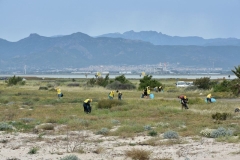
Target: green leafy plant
[152,133]
[33,150]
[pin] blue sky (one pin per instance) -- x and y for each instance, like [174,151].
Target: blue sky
[203,18]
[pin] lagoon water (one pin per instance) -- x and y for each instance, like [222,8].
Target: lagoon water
[129,76]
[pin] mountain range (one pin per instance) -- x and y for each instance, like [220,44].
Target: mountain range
[130,48]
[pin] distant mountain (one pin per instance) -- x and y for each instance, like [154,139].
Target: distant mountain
[80,50]
[163,39]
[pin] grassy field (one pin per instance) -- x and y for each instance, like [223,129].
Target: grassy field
[25,106]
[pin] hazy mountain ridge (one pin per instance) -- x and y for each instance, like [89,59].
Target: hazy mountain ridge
[80,50]
[163,39]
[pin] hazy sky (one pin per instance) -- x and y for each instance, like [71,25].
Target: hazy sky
[204,18]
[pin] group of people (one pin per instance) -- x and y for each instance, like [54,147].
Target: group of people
[111,95]
[146,92]
[158,89]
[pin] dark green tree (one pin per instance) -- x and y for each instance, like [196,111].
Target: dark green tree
[203,83]
[122,79]
[15,80]
[224,86]
[148,81]
[103,81]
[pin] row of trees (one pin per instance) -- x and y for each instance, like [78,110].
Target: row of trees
[121,82]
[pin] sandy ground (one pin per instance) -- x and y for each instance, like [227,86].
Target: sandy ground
[52,145]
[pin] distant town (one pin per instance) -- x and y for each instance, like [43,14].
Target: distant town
[162,68]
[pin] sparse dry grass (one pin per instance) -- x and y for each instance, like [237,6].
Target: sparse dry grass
[138,154]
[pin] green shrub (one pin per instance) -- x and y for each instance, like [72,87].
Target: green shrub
[147,128]
[115,121]
[92,81]
[222,87]
[15,80]
[170,135]
[220,116]
[73,85]
[43,88]
[122,79]
[148,81]
[33,150]
[116,85]
[103,131]
[202,83]
[70,157]
[5,126]
[152,133]
[107,104]
[221,132]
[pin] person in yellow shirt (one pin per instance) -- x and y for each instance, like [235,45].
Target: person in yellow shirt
[209,96]
[148,91]
[111,95]
[59,93]
[86,106]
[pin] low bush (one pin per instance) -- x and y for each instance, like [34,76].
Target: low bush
[5,126]
[170,135]
[152,133]
[43,88]
[116,85]
[70,157]
[73,85]
[207,132]
[147,128]
[220,116]
[107,104]
[103,131]
[138,154]
[196,100]
[221,132]
[15,80]
[33,150]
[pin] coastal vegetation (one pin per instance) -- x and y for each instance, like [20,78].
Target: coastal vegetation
[23,107]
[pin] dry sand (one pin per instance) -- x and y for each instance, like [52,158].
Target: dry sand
[89,146]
